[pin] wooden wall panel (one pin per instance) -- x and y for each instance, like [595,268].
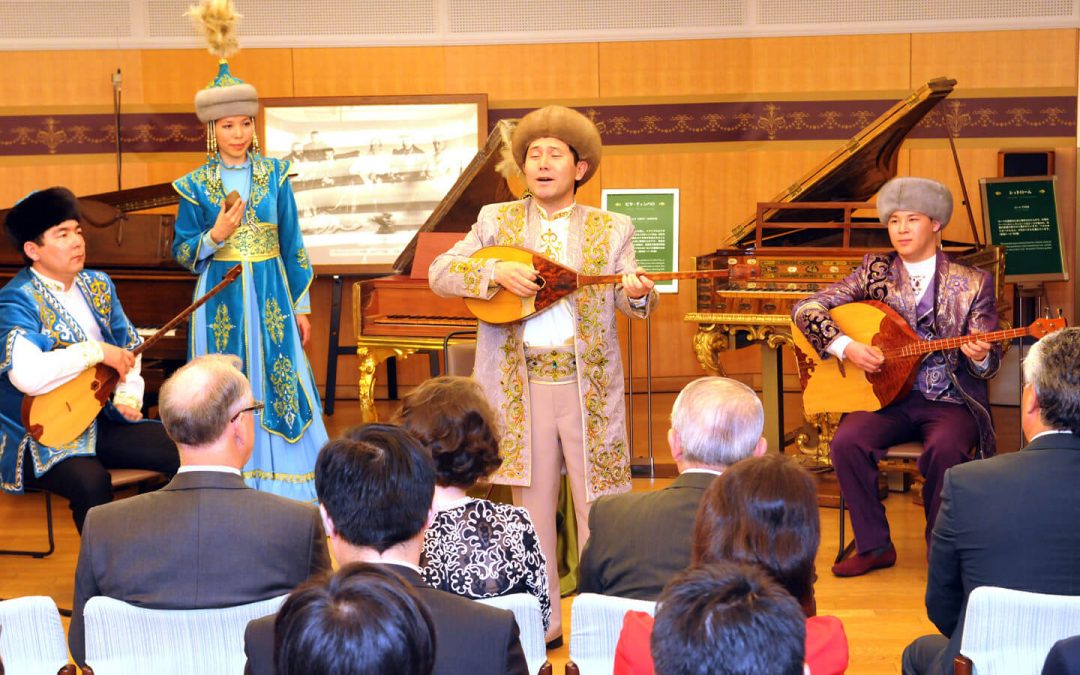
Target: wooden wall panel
[50,79]
[996,59]
[172,76]
[543,72]
[739,67]
[377,71]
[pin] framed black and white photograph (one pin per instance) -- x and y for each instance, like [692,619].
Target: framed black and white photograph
[368,171]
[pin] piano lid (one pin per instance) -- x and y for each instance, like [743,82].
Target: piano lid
[857,170]
[477,186]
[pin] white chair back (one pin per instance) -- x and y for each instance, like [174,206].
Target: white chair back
[32,637]
[596,621]
[530,621]
[1010,632]
[122,639]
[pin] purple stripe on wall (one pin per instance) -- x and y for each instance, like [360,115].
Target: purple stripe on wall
[1028,117]
[1040,117]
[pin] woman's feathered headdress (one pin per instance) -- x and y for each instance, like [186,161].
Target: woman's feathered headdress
[226,95]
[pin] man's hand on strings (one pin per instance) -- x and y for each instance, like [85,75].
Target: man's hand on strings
[120,360]
[636,284]
[864,356]
[518,278]
[976,351]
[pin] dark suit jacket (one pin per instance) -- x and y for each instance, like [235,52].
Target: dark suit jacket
[469,637]
[204,540]
[1009,521]
[639,541]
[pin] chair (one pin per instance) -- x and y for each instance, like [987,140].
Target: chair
[32,637]
[902,457]
[1010,632]
[459,354]
[122,639]
[530,621]
[120,478]
[596,621]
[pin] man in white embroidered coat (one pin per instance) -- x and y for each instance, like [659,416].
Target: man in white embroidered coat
[554,379]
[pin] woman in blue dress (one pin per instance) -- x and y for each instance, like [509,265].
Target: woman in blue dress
[262,317]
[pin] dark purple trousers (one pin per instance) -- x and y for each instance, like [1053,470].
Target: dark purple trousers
[948,432]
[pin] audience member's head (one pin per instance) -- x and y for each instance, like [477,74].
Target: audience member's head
[453,419]
[362,620]
[763,511]
[376,486]
[715,422]
[1052,384]
[727,619]
[207,406]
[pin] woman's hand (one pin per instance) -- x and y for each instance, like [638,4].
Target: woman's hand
[228,219]
[304,327]
[129,413]
[864,356]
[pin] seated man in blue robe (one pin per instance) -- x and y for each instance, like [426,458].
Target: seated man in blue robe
[56,320]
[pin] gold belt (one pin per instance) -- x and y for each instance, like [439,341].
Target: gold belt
[250,243]
[545,364]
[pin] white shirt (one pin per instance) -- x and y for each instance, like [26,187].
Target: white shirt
[34,372]
[555,326]
[218,468]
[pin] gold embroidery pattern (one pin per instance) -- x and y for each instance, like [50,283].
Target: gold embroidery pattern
[512,445]
[274,320]
[250,242]
[302,259]
[550,245]
[280,477]
[607,467]
[553,365]
[511,221]
[283,379]
[50,322]
[221,327]
[471,273]
[98,291]
[183,255]
[514,442]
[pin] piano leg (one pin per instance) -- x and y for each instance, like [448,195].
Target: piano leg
[370,358]
[772,394]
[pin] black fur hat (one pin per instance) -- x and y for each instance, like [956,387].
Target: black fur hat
[38,211]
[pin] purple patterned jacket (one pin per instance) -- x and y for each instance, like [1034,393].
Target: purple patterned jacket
[964,303]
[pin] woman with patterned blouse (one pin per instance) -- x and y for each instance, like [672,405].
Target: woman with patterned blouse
[474,548]
[262,317]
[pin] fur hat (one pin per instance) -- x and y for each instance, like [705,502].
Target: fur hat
[38,211]
[226,96]
[922,195]
[565,124]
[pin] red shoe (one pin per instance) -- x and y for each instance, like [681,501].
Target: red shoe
[858,565]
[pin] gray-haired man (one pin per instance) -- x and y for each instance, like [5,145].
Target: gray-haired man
[638,542]
[206,539]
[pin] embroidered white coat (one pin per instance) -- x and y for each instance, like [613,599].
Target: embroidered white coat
[599,242]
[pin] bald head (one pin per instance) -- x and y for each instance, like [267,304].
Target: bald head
[197,403]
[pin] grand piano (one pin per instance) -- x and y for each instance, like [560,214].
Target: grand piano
[398,315]
[813,233]
[135,250]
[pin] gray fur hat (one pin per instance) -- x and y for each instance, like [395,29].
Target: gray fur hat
[226,96]
[922,195]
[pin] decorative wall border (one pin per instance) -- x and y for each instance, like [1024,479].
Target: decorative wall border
[643,124]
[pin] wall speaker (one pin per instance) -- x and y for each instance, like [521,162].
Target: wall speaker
[1025,163]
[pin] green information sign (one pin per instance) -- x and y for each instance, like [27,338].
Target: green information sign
[656,228]
[1023,218]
